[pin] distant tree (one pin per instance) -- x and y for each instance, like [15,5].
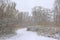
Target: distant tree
[41,15]
[25,18]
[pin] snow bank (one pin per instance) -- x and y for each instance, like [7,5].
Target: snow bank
[22,34]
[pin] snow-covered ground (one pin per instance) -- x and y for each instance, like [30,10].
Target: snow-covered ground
[22,34]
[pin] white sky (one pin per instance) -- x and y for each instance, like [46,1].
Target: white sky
[27,5]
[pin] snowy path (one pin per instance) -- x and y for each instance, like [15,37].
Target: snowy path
[22,34]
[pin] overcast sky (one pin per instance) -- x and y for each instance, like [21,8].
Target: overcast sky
[27,5]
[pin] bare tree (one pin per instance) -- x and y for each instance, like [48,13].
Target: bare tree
[41,15]
[8,20]
[57,12]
